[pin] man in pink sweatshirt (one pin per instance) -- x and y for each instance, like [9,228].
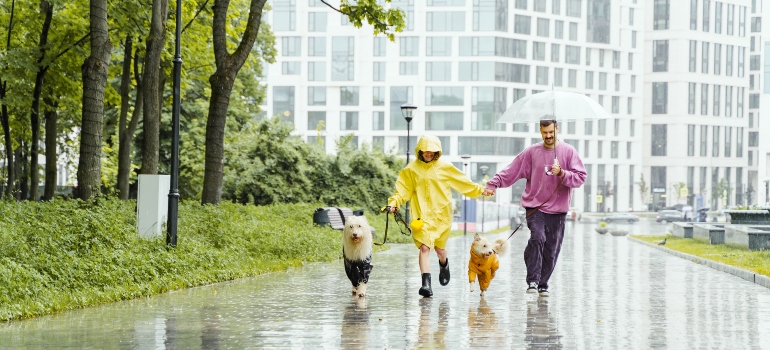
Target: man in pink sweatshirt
[552,170]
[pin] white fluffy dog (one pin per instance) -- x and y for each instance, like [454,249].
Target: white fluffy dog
[357,252]
[483,262]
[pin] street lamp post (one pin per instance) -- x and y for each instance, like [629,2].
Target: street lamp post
[465,199]
[173,193]
[483,169]
[407,111]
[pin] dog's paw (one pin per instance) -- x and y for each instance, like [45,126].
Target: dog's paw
[472,286]
[355,290]
[482,293]
[362,290]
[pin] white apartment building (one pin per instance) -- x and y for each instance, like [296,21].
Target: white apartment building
[759,95]
[696,118]
[462,63]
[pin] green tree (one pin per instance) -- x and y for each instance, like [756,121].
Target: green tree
[643,190]
[677,189]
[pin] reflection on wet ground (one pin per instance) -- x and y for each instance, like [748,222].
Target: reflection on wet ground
[606,293]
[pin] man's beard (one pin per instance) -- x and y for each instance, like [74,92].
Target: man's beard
[549,140]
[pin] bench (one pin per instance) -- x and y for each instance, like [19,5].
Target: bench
[712,234]
[335,217]
[682,229]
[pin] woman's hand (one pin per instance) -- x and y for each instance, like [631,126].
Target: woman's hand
[487,192]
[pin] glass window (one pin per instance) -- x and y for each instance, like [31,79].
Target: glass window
[704,99]
[444,96]
[629,105]
[616,105]
[718,17]
[599,148]
[633,83]
[691,98]
[632,129]
[598,23]
[522,24]
[557,76]
[730,18]
[573,31]
[343,52]
[379,71]
[349,96]
[601,57]
[588,56]
[438,71]
[378,121]
[693,14]
[555,52]
[490,15]
[717,94]
[693,49]
[572,78]
[538,51]
[316,21]
[715,141]
[488,104]
[617,82]
[614,149]
[284,15]
[574,8]
[316,46]
[348,120]
[728,101]
[661,14]
[543,25]
[706,8]
[410,45]
[659,139]
[571,128]
[615,59]
[602,127]
[558,29]
[538,5]
[283,102]
[316,121]
[444,121]
[659,98]
[739,142]
[379,46]
[728,140]
[541,76]
[521,4]
[602,81]
[589,79]
[556,7]
[756,24]
[316,71]
[741,55]
[399,95]
[438,46]
[691,140]
[703,140]
[486,145]
[408,7]
[633,39]
[316,95]
[705,58]
[572,54]
[452,21]
[378,96]
[717,59]
[290,68]
[741,21]
[729,60]
[660,56]
[589,127]
[291,46]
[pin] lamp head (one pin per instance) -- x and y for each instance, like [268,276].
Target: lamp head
[407,110]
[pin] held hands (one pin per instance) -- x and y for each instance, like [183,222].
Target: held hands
[487,192]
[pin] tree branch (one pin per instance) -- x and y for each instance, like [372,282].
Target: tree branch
[196,15]
[332,7]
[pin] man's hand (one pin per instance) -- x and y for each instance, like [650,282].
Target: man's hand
[487,192]
[393,209]
[556,168]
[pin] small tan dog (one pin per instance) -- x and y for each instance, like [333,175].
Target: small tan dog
[357,252]
[483,262]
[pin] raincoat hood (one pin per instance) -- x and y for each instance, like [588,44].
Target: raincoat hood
[429,143]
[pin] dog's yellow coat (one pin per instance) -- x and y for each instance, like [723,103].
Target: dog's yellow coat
[485,268]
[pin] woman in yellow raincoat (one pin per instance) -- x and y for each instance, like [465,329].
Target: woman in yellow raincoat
[428,181]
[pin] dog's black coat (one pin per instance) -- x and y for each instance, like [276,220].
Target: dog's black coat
[358,270]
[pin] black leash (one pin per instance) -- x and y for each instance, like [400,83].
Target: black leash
[398,218]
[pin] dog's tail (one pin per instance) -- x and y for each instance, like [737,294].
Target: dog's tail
[501,246]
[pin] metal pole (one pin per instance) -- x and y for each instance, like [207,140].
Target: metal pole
[408,126]
[465,205]
[173,194]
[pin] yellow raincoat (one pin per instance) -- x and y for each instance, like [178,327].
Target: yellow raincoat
[429,185]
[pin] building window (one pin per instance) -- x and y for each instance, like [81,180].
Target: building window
[599,148]
[615,104]
[693,14]
[704,133]
[659,98]
[718,17]
[602,81]
[290,68]
[438,46]
[729,61]
[691,140]
[378,71]
[660,56]
[283,102]
[316,71]
[659,139]
[572,78]
[555,52]
[399,95]
[573,31]
[558,73]
[378,120]
[493,146]
[379,47]
[632,128]
[378,96]
[730,18]
[349,96]
[598,23]
[691,98]
[538,5]
[316,95]
[633,83]
[628,150]
[291,46]
[661,11]
[756,24]
[633,39]
[742,21]
[753,101]
[438,71]
[717,94]
[588,56]
[488,104]
[706,6]
[601,57]
[316,121]
[538,51]
[522,24]
[316,21]
[556,7]
[717,59]
[451,21]
[543,24]
[408,7]
[704,99]
[753,139]
[574,8]
[741,55]
[629,105]
[739,142]
[705,58]
[444,96]
[284,15]
[572,54]
[343,53]
[616,59]
[407,68]
[586,148]
[614,149]
[348,120]
[410,45]
[589,79]
[617,82]
[316,46]
[602,127]
[444,121]
[693,49]
[541,76]
[558,29]
[728,140]
[715,141]
[728,101]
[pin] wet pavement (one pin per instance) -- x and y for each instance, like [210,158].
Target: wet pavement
[606,293]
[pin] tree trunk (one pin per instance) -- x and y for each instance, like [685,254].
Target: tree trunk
[222,81]
[46,8]
[21,169]
[127,131]
[5,118]
[156,40]
[51,161]
[94,80]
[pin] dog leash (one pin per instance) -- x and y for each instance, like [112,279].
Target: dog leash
[536,209]
[397,217]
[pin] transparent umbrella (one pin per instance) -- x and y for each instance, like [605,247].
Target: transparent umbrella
[559,105]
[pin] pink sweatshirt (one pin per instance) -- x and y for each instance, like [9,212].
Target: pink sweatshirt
[531,164]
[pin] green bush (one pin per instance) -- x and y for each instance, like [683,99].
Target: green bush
[64,254]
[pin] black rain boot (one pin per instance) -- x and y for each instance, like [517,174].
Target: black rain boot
[425,290]
[443,275]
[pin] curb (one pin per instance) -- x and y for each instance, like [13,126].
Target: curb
[750,276]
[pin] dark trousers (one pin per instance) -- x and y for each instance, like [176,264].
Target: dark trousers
[546,235]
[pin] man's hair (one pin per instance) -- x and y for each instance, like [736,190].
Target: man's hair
[547,122]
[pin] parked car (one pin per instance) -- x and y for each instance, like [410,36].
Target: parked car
[620,217]
[665,216]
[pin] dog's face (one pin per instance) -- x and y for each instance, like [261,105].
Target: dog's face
[481,246]
[357,230]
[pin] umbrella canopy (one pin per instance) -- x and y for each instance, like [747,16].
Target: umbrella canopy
[559,105]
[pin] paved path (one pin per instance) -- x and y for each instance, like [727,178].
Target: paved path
[606,293]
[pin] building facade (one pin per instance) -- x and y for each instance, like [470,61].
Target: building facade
[696,113]
[462,63]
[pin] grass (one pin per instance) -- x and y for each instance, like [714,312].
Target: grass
[756,261]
